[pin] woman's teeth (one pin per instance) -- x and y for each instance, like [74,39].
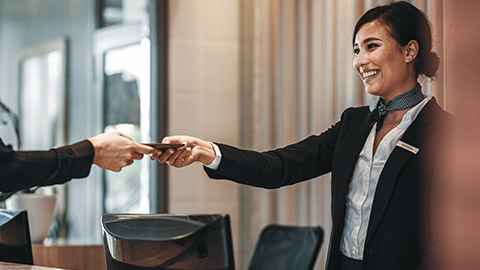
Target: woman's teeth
[369,74]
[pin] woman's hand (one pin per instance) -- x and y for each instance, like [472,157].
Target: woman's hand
[194,150]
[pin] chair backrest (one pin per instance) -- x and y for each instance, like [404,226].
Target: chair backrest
[15,244]
[167,241]
[287,247]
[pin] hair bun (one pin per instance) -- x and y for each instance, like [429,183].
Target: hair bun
[429,65]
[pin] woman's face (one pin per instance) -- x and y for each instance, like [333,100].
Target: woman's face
[381,62]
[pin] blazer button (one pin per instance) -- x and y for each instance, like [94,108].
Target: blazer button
[369,251]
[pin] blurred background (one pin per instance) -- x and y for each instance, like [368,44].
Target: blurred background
[257,74]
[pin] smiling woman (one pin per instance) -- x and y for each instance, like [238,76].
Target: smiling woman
[379,156]
[394,42]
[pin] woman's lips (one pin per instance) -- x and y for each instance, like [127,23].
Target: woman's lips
[369,75]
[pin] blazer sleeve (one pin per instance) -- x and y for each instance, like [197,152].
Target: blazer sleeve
[294,163]
[24,169]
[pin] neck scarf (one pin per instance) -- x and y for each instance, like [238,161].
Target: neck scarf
[400,102]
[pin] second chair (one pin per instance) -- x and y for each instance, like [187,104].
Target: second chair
[286,248]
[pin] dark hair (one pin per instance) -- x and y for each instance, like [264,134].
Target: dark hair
[406,23]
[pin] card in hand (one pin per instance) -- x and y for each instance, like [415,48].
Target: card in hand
[161,146]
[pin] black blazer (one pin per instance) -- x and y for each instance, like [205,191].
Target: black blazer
[396,238]
[24,169]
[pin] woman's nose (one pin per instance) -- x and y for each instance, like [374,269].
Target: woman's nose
[360,60]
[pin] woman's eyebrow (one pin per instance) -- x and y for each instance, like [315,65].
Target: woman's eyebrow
[367,40]
[370,39]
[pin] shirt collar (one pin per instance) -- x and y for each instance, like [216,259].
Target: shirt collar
[412,114]
[373,105]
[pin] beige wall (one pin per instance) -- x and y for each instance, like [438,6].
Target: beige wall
[204,99]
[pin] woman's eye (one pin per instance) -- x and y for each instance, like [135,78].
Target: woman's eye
[371,46]
[356,51]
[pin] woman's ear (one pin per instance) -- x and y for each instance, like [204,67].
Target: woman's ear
[411,51]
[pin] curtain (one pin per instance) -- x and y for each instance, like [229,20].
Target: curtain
[296,79]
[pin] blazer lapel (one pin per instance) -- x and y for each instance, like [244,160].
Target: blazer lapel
[413,136]
[351,148]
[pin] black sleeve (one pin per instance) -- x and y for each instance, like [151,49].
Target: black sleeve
[298,162]
[24,169]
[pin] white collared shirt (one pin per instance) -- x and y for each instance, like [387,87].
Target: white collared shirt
[364,183]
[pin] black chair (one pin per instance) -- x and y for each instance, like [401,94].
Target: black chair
[15,244]
[167,241]
[286,248]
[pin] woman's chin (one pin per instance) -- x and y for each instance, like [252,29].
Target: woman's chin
[371,90]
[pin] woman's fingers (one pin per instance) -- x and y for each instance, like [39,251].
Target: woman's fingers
[190,155]
[180,160]
[166,155]
[173,158]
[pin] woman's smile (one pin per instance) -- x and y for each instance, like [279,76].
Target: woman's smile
[369,75]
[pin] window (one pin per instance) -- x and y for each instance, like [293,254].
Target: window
[123,69]
[114,12]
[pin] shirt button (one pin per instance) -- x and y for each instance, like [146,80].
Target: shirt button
[369,251]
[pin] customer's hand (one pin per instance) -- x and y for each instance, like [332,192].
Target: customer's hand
[194,150]
[113,151]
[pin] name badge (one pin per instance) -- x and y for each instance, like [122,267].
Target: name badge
[407,147]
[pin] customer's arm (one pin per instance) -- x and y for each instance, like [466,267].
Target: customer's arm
[23,169]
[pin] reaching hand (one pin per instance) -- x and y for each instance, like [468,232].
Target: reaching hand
[113,151]
[194,150]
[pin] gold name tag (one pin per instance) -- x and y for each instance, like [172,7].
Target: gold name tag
[407,147]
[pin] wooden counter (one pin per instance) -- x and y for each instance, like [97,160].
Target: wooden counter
[15,266]
[81,257]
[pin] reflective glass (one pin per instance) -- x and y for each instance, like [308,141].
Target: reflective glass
[113,12]
[127,106]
